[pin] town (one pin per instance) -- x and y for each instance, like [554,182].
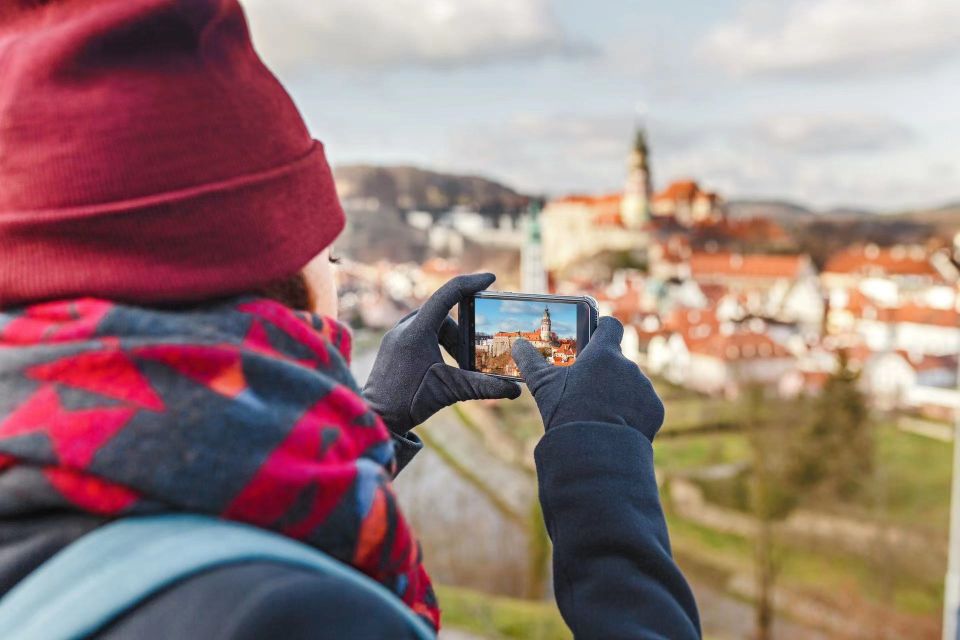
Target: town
[492,352]
[709,303]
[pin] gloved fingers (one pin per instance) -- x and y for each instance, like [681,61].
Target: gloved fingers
[609,333]
[437,308]
[480,386]
[528,359]
[450,337]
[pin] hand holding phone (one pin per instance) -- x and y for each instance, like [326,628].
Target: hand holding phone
[602,386]
[410,381]
[491,323]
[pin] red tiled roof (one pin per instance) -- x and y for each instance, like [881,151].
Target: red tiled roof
[916,314]
[909,313]
[526,335]
[684,191]
[713,292]
[857,301]
[815,380]
[683,321]
[679,190]
[568,349]
[738,346]
[608,219]
[872,260]
[604,200]
[627,305]
[751,266]
[750,230]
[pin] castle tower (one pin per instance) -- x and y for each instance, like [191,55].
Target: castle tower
[533,275]
[546,327]
[635,207]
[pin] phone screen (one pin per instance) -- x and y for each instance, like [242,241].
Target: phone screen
[550,326]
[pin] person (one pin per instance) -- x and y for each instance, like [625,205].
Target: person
[168,344]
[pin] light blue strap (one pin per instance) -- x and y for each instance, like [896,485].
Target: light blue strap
[107,572]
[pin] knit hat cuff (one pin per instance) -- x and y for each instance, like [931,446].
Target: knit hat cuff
[203,241]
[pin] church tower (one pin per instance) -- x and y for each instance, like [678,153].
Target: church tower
[635,207]
[546,328]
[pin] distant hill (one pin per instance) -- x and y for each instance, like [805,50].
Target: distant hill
[406,188]
[780,210]
[945,219]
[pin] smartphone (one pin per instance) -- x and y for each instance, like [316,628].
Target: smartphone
[490,322]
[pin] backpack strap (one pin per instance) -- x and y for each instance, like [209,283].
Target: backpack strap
[111,570]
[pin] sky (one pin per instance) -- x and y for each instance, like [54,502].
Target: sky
[492,315]
[830,103]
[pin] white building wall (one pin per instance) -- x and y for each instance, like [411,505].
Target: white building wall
[804,303]
[888,379]
[630,345]
[707,374]
[570,235]
[928,339]
[764,370]
[658,354]
[877,335]
[678,365]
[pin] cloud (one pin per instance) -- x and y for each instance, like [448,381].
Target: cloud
[564,330]
[555,153]
[748,168]
[518,307]
[817,159]
[367,34]
[821,134]
[836,37]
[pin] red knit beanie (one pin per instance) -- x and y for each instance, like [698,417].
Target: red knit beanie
[148,155]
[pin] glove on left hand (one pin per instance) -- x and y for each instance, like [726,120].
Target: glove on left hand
[409,381]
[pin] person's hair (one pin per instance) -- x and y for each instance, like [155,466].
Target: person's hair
[291,291]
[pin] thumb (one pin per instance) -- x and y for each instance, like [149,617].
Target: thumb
[609,334]
[528,359]
[480,386]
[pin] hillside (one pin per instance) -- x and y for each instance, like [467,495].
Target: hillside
[945,219]
[408,188]
[780,210]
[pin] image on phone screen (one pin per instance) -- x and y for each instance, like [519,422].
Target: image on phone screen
[551,327]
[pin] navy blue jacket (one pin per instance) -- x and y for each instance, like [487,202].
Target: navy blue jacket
[614,576]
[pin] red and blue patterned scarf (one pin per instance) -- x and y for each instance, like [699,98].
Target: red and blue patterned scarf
[243,409]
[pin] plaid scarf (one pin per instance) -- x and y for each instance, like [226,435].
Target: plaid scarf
[242,409]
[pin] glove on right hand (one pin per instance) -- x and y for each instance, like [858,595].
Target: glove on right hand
[601,386]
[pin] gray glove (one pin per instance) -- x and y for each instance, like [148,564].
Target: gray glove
[601,386]
[409,381]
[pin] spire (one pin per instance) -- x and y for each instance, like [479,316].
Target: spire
[640,147]
[546,327]
[635,208]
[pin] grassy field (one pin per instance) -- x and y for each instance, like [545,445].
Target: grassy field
[689,411]
[916,472]
[913,473]
[816,572]
[911,491]
[500,618]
